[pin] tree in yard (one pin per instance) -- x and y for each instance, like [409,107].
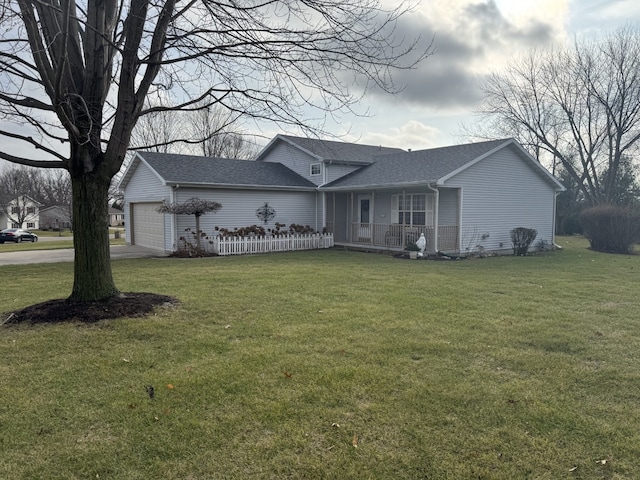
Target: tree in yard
[79,74]
[20,190]
[13,188]
[211,131]
[214,130]
[577,108]
[194,206]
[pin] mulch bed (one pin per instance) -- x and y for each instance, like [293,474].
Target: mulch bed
[131,304]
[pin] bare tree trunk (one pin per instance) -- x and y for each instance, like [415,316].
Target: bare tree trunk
[93,279]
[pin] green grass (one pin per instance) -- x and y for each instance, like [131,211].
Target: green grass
[271,367]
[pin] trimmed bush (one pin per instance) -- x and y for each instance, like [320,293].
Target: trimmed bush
[611,228]
[522,238]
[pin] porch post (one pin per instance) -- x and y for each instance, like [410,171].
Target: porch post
[324,211]
[350,220]
[460,213]
[404,217]
[372,216]
[333,215]
[436,217]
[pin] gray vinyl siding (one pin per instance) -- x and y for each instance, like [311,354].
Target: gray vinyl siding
[295,160]
[145,186]
[239,209]
[448,207]
[336,171]
[500,193]
[341,221]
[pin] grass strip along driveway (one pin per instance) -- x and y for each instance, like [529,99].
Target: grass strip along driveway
[332,364]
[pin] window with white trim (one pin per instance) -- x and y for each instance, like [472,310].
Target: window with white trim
[31,225]
[412,209]
[315,169]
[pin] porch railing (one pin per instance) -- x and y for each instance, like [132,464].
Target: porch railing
[396,236]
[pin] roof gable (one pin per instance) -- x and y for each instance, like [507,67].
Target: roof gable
[174,169]
[435,165]
[330,150]
[24,200]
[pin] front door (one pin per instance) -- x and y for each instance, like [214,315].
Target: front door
[364,216]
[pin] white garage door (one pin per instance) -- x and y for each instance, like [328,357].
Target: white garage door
[148,225]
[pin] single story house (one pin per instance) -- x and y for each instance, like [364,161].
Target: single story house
[116,217]
[21,212]
[464,198]
[55,217]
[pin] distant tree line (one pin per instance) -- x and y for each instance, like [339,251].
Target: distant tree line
[48,187]
[577,109]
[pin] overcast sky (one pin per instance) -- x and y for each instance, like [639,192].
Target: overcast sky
[472,38]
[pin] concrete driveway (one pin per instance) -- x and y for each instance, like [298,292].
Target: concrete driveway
[66,255]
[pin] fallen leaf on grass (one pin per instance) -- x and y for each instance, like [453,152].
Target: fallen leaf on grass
[169,386]
[602,462]
[287,374]
[354,442]
[573,469]
[335,425]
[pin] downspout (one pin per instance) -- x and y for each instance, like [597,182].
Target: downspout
[174,225]
[436,216]
[553,221]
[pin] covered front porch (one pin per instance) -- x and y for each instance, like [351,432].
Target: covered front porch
[391,219]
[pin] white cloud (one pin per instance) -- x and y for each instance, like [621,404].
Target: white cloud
[411,135]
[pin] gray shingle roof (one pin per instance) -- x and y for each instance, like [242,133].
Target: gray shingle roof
[330,150]
[422,166]
[191,169]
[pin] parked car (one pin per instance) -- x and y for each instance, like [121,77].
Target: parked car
[17,235]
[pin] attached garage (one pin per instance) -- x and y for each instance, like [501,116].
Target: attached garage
[147,225]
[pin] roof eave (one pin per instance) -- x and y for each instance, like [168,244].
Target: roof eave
[380,186]
[237,186]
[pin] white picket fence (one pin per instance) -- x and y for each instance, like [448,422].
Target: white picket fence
[248,245]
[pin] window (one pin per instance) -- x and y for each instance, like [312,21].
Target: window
[31,210]
[412,209]
[31,225]
[15,225]
[15,210]
[315,169]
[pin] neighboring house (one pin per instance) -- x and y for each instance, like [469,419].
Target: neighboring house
[22,212]
[464,198]
[116,217]
[55,217]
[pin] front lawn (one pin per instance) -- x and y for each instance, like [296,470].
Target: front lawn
[332,365]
